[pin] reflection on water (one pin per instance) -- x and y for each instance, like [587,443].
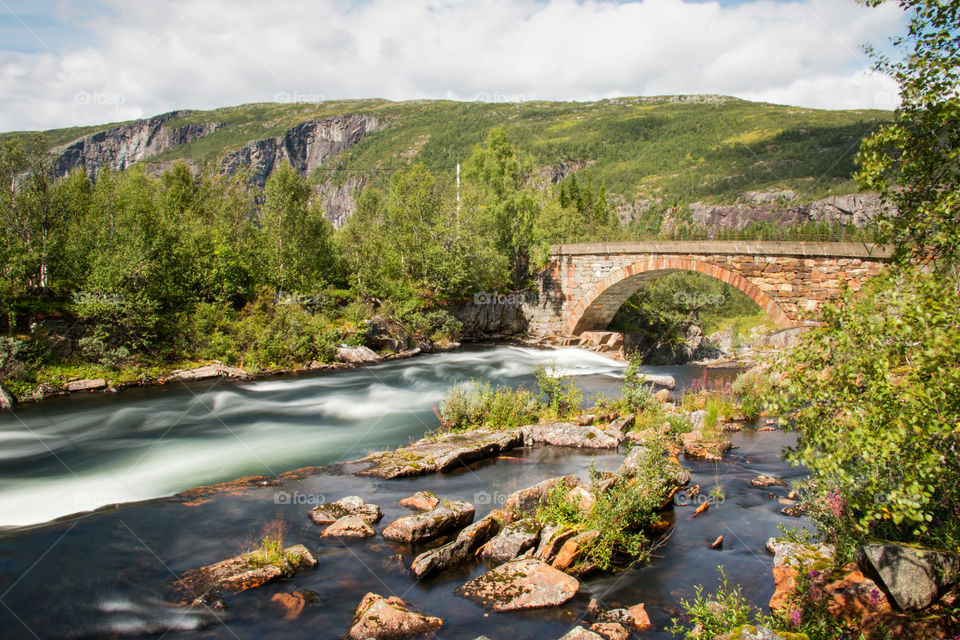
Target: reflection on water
[105,574]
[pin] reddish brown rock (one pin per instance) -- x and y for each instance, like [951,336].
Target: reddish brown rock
[421,501]
[247,571]
[641,621]
[292,604]
[575,549]
[388,619]
[349,527]
[527,583]
[610,630]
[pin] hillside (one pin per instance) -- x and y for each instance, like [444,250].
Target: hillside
[652,153]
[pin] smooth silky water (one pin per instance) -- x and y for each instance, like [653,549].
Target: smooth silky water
[106,573]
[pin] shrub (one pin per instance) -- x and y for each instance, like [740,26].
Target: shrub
[480,406]
[709,616]
[875,397]
[752,389]
[563,397]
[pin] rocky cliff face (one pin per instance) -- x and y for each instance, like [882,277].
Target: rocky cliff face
[780,207]
[306,146]
[118,148]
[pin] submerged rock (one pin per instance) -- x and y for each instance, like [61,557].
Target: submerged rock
[913,577]
[527,583]
[246,571]
[421,501]
[389,618]
[451,451]
[349,506]
[763,480]
[512,541]
[753,632]
[462,548]
[349,527]
[567,434]
[581,633]
[446,518]
[697,446]
[610,630]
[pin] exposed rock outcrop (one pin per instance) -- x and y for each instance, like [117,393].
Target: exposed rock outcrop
[305,146]
[914,578]
[118,148]
[243,572]
[566,434]
[350,506]
[462,548]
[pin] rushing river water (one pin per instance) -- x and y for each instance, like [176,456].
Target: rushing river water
[106,573]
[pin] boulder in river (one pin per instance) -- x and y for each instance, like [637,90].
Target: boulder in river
[349,527]
[513,540]
[430,455]
[462,548]
[350,506]
[389,618]
[356,355]
[526,583]
[421,501]
[444,519]
[753,632]
[913,577]
[567,434]
[246,571]
[763,480]
[526,501]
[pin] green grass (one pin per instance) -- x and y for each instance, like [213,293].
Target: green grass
[674,152]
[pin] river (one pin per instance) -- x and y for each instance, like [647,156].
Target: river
[104,573]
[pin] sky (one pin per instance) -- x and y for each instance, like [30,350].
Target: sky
[76,62]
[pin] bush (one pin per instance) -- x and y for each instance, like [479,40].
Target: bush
[563,397]
[480,406]
[620,513]
[752,389]
[12,366]
[721,612]
[875,397]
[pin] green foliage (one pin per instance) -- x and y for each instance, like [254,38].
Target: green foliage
[619,514]
[875,397]
[480,406]
[716,614]
[562,396]
[752,388]
[915,162]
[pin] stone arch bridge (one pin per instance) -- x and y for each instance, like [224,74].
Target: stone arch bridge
[585,284]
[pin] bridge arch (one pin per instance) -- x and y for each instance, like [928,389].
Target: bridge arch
[596,308]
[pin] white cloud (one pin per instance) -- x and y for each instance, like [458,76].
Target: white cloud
[157,56]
